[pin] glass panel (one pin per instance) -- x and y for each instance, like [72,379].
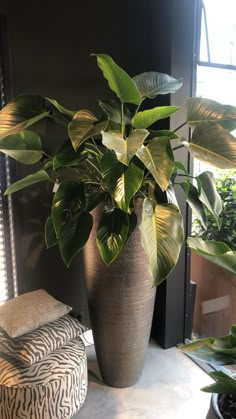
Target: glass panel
[221,24]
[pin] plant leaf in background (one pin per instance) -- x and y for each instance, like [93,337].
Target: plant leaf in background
[162,236]
[20,113]
[74,236]
[124,149]
[150,84]
[24,146]
[29,180]
[216,252]
[214,145]
[112,234]
[201,109]
[192,197]
[83,126]
[158,158]
[61,108]
[67,157]
[119,81]
[121,181]
[209,195]
[68,203]
[146,118]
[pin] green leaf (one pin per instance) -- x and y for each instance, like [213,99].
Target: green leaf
[164,133]
[201,109]
[74,236]
[124,149]
[29,180]
[61,108]
[121,181]
[112,233]
[158,158]
[181,167]
[151,84]
[50,235]
[83,127]
[67,157]
[203,350]
[192,197]
[214,145]
[119,81]
[224,383]
[94,198]
[216,252]
[162,236]
[25,147]
[68,203]
[146,118]
[209,195]
[20,113]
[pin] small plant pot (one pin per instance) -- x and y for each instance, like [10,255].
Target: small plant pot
[215,408]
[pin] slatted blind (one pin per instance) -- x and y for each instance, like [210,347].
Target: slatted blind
[8,287]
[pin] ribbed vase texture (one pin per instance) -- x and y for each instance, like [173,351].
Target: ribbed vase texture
[121,300]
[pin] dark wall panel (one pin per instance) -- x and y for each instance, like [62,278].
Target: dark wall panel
[50,43]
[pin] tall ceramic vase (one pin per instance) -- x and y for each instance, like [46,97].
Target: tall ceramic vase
[121,300]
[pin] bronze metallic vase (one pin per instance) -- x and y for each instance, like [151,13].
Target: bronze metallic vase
[121,301]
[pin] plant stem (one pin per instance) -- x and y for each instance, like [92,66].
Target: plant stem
[179,146]
[95,145]
[47,155]
[89,161]
[180,126]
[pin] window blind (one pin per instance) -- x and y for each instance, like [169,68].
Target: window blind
[8,283]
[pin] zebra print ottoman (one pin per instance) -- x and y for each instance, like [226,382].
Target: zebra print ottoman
[53,388]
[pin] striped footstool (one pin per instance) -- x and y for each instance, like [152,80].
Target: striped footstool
[54,388]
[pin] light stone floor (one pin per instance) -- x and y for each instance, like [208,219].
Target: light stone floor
[169,388]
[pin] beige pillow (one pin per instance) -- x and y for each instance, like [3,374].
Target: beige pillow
[29,311]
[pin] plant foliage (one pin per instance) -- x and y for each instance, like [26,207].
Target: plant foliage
[119,155]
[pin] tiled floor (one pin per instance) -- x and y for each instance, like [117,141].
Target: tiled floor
[169,388]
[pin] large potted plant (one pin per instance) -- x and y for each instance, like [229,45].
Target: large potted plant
[115,162]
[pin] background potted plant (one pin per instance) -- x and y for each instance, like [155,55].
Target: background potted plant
[218,352]
[214,281]
[116,162]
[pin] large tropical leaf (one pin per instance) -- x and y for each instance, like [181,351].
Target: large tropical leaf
[121,181]
[50,235]
[119,81]
[216,252]
[29,180]
[20,113]
[162,236]
[112,234]
[209,195]
[68,203]
[67,157]
[24,146]
[146,118]
[214,145]
[192,198]
[201,109]
[158,158]
[83,126]
[124,149]
[74,236]
[151,84]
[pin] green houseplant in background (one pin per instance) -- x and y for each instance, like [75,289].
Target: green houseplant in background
[215,244]
[115,162]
